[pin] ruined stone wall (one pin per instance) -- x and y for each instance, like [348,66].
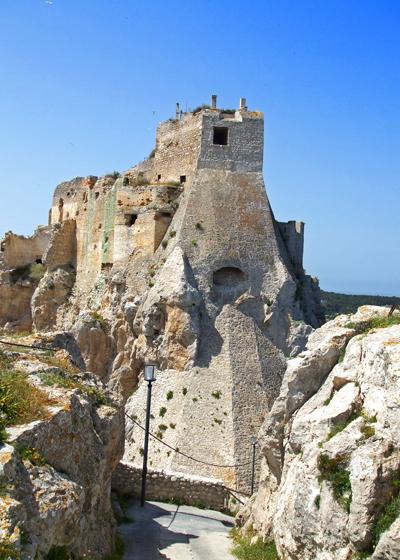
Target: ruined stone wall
[177,148]
[164,485]
[19,251]
[62,250]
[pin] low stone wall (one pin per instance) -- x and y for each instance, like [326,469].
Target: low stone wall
[162,485]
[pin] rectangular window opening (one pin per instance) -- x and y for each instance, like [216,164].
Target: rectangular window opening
[183,178]
[220,136]
[130,219]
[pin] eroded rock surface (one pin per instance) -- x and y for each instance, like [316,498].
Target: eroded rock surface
[56,473]
[331,446]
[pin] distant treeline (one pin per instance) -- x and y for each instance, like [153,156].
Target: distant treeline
[336,304]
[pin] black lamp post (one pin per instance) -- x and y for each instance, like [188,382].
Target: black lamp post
[149,376]
[253,466]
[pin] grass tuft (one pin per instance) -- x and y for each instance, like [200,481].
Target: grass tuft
[334,472]
[374,323]
[20,402]
[389,514]
[245,550]
[8,550]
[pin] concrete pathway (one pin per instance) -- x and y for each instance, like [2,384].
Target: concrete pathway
[175,532]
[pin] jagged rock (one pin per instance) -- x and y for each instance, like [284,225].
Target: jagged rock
[63,499]
[90,333]
[167,322]
[332,417]
[52,292]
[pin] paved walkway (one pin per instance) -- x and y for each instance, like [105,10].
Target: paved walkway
[176,533]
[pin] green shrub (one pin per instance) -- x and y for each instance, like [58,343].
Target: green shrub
[334,472]
[152,153]
[162,427]
[194,243]
[21,402]
[184,391]
[96,316]
[32,455]
[389,514]
[33,271]
[172,425]
[59,553]
[216,394]
[8,550]
[162,412]
[164,243]
[367,431]
[170,395]
[244,550]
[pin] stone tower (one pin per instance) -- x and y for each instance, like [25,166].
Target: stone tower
[228,301]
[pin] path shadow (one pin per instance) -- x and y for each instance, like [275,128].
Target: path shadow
[145,538]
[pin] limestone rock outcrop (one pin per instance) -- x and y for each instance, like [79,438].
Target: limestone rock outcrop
[331,447]
[51,293]
[55,473]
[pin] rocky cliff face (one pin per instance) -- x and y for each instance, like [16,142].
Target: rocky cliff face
[55,472]
[330,474]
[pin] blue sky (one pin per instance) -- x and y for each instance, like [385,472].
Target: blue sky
[85,82]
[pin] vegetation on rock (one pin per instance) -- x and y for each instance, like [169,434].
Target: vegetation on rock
[20,402]
[244,549]
[334,471]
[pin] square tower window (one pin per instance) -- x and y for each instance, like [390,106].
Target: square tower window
[183,178]
[220,135]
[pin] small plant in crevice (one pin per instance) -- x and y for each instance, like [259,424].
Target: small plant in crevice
[195,399]
[367,431]
[199,226]
[342,425]
[335,473]
[389,514]
[184,391]
[162,411]
[164,243]
[217,421]
[172,425]
[32,455]
[194,243]
[8,550]
[216,394]
[317,501]
[170,395]
[59,553]
[172,233]
[162,427]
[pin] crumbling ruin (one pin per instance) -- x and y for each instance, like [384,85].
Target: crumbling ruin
[178,261]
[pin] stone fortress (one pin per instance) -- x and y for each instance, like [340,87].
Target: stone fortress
[178,261]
